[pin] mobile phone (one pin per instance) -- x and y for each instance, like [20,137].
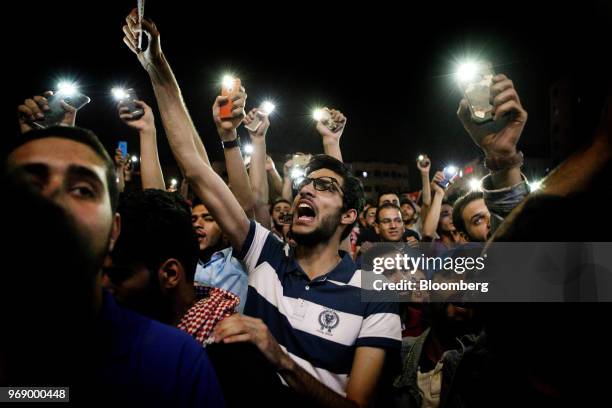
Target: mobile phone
[227,89]
[301,160]
[325,117]
[124,149]
[55,114]
[129,101]
[265,108]
[477,91]
[450,172]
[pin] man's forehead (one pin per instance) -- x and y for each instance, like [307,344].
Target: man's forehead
[326,173]
[390,212]
[477,205]
[199,209]
[58,154]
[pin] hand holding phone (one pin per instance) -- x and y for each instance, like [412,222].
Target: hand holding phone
[58,111]
[475,82]
[127,98]
[229,88]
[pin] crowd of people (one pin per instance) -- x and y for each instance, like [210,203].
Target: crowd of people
[248,290]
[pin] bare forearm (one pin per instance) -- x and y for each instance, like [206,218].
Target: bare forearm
[174,114]
[305,384]
[426,189]
[238,178]
[430,223]
[287,189]
[259,178]
[275,184]
[120,180]
[150,167]
[332,148]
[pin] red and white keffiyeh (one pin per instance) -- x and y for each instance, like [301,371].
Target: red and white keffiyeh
[214,305]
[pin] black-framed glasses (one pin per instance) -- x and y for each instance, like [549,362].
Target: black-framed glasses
[324,183]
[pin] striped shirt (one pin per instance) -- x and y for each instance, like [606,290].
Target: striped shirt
[318,322]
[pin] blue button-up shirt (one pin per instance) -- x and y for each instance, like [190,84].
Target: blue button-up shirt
[225,272]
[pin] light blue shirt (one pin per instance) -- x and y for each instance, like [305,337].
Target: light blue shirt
[223,271]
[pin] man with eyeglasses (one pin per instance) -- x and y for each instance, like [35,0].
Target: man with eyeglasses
[304,311]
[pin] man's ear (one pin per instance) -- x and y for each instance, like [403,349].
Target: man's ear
[376,228]
[115,231]
[170,273]
[349,217]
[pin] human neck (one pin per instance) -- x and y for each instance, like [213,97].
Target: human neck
[184,300]
[319,259]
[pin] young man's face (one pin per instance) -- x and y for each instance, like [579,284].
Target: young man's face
[445,224]
[477,220]
[73,176]
[279,210]
[371,217]
[206,227]
[390,226]
[407,212]
[388,198]
[317,215]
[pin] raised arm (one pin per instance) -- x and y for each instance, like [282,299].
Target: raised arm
[331,139]
[150,167]
[258,174]
[207,185]
[174,114]
[430,223]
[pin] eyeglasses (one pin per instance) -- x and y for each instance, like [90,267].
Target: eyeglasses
[319,183]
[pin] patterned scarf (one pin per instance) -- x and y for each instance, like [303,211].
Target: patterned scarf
[214,305]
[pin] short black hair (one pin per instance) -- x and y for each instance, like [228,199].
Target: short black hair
[353,189]
[80,135]
[156,226]
[386,193]
[385,206]
[277,201]
[460,205]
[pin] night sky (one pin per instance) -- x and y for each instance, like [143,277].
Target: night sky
[387,68]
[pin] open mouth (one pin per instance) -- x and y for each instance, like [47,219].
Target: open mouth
[305,212]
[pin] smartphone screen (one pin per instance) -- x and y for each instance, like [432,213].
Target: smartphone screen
[477,91]
[225,111]
[123,147]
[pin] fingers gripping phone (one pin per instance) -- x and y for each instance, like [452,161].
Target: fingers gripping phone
[229,87]
[477,90]
[129,101]
[56,112]
[450,173]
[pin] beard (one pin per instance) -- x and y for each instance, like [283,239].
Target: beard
[321,234]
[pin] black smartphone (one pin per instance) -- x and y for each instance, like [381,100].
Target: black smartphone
[56,112]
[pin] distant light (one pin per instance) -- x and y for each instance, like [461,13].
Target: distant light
[460,173]
[364,174]
[421,157]
[469,170]
[451,170]
[134,159]
[267,107]
[119,93]
[466,71]
[297,173]
[248,149]
[173,182]
[67,88]
[535,185]
[474,184]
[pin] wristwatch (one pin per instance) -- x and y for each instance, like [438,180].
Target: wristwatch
[231,143]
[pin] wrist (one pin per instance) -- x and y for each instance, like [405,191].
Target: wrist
[227,135]
[329,140]
[496,162]
[258,140]
[285,364]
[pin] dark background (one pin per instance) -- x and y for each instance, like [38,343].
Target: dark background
[387,68]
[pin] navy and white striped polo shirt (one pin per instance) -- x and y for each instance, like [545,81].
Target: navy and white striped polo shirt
[319,323]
